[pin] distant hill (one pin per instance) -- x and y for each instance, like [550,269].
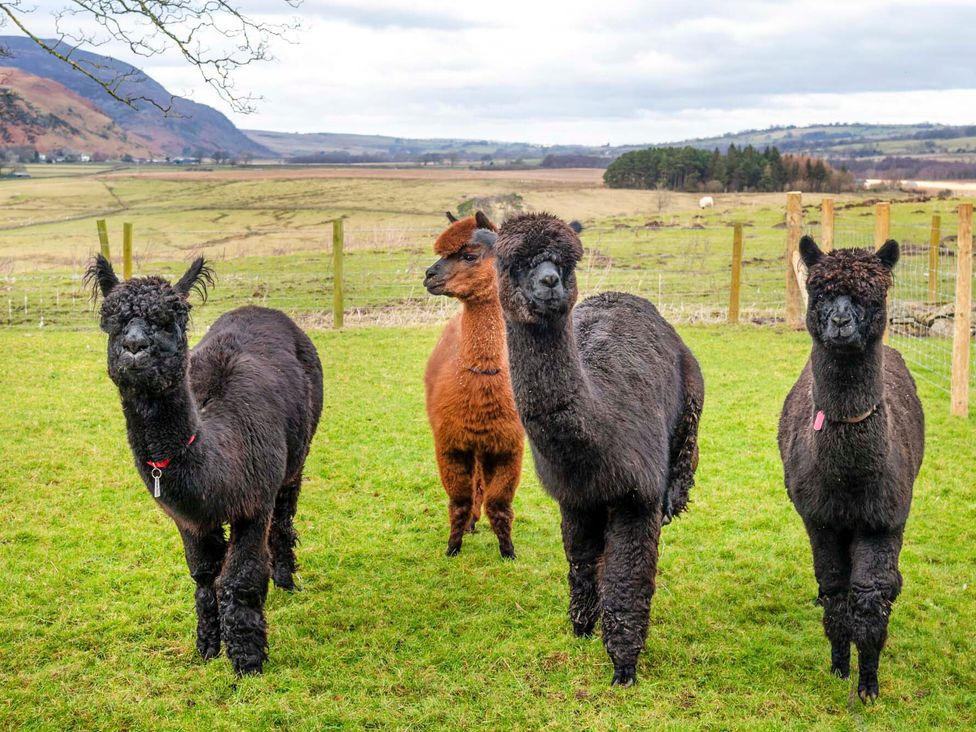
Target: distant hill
[835,142]
[42,114]
[189,127]
[854,140]
[333,147]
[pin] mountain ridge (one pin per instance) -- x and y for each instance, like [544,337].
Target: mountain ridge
[189,127]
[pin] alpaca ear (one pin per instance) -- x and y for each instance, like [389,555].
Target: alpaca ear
[100,276]
[809,251]
[198,277]
[483,222]
[888,254]
[486,237]
[451,217]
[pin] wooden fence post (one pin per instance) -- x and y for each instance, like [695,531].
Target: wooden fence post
[794,225]
[127,251]
[103,239]
[959,405]
[882,231]
[337,303]
[935,240]
[882,223]
[827,224]
[734,290]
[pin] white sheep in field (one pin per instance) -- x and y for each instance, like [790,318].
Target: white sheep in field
[706,202]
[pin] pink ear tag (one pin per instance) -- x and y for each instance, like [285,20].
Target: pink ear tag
[818,421]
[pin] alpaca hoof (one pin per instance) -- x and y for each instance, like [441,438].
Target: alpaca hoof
[284,581]
[507,553]
[841,672]
[583,631]
[248,667]
[208,651]
[625,676]
[247,671]
[472,527]
[868,692]
[453,549]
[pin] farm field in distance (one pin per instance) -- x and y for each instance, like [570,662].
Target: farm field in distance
[269,232]
[96,611]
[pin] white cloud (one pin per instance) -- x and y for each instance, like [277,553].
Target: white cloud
[616,71]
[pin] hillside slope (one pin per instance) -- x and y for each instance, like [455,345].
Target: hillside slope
[43,114]
[188,127]
[853,140]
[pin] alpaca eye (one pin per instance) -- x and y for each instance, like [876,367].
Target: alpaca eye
[469,257]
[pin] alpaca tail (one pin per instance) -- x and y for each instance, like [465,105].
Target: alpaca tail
[684,442]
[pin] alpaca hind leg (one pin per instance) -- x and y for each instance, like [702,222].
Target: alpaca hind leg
[241,590]
[627,584]
[832,567]
[283,537]
[457,475]
[875,583]
[204,556]
[501,476]
[583,535]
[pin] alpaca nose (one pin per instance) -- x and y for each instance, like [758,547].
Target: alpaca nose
[135,340]
[843,312]
[547,275]
[431,271]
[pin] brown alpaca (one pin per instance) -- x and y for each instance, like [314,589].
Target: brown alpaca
[477,434]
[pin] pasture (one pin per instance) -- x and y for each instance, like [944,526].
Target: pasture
[96,614]
[97,623]
[269,231]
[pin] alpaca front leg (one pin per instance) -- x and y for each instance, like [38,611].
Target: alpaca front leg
[283,537]
[627,584]
[204,556]
[501,475]
[457,475]
[875,583]
[832,567]
[583,543]
[241,590]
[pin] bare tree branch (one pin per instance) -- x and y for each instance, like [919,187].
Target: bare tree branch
[215,36]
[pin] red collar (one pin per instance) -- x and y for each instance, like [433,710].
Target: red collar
[160,464]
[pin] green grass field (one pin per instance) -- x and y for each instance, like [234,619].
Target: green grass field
[96,610]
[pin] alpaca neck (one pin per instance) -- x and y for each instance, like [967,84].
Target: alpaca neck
[847,385]
[160,424]
[482,346]
[551,391]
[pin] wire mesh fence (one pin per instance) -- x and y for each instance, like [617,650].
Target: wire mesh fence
[684,269]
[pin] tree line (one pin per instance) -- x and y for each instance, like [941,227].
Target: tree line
[739,169]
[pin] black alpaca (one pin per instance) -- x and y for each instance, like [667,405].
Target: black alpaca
[852,436]
[610,398]
[219,436]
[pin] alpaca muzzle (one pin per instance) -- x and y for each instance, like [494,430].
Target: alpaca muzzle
[548,295]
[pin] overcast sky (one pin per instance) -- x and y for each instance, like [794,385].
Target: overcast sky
[608,71]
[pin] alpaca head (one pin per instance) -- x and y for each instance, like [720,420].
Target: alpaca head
[466,268]
[847,289]
[536,256]
[146,320]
